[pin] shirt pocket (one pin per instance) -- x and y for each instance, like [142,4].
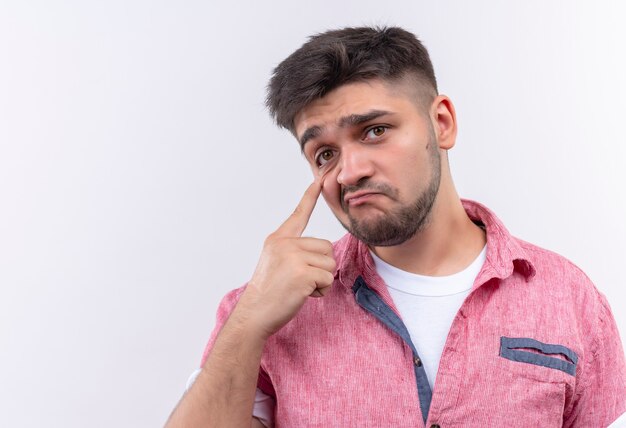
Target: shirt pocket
[533,382]
[531,351]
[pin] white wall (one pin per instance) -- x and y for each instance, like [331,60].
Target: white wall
[140,173]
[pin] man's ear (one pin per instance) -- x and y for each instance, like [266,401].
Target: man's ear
[443,117]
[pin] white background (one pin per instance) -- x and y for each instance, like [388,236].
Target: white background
[140,172]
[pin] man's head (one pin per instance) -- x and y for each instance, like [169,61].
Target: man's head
[363,104]
[337,57]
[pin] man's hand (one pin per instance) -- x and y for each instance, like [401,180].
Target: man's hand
[290,269]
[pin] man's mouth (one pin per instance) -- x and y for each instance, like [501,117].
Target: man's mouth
[354,196]
[359,198]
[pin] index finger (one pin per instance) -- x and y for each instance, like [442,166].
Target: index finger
[297,221]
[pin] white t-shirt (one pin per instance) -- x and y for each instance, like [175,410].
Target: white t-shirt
[428,305]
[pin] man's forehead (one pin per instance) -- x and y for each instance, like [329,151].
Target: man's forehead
[348,105]
[364,92]
[349,99]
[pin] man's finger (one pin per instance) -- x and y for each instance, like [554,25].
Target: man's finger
[297,221]
[323,282]
[316,245]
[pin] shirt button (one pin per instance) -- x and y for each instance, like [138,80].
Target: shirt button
[435,426]
[418,363]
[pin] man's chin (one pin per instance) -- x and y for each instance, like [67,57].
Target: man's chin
[373,240]
[370,222]
[376,234]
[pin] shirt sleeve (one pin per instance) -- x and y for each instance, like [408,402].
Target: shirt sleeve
[600,397]
[264,401]
[224,310]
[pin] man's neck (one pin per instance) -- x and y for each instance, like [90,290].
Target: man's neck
[449,242]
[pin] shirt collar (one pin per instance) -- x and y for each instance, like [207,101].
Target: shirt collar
[505,254]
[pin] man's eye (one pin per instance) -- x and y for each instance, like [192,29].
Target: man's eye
[376,131]
[324,156]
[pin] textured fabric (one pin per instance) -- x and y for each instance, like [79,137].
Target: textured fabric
[335,364]
[428,305]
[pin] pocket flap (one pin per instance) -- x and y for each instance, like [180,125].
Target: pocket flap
[531,351]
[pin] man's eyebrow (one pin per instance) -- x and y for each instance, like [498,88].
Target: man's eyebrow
[344,122]
[357,119]
[312,132]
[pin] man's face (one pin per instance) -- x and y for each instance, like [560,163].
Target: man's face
[378,154]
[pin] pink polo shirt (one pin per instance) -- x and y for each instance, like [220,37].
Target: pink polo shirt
[534,344]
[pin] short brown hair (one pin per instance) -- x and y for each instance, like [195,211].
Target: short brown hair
[336,57]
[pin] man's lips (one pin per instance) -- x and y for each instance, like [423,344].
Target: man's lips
[358,198]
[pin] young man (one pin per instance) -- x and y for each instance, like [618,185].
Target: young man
[428,313]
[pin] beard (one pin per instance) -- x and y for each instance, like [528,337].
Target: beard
[403,222]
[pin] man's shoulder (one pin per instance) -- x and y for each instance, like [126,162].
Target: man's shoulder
[548,262]
[561,276]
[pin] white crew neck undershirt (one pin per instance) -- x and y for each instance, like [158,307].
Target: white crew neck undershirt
[428,304]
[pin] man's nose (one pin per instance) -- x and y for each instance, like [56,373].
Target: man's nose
[354,165]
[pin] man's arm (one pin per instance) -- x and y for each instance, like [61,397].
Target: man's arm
[223,393]
[290,269]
